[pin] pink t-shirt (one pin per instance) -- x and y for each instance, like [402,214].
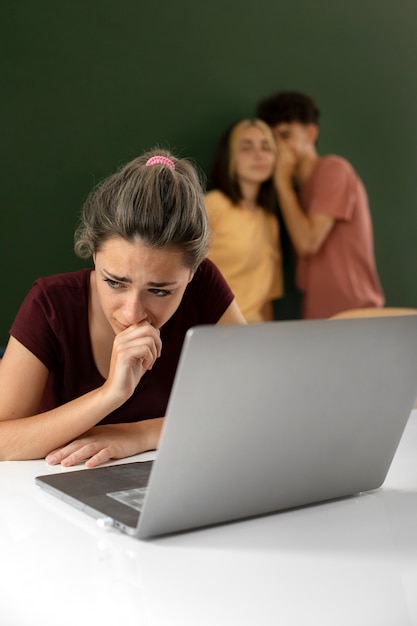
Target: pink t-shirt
[342,274]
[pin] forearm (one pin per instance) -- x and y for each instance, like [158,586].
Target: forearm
[147,434]
[34,436]
[110,441]
[300,228]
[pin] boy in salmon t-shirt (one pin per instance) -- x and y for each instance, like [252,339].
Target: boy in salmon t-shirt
[325,209]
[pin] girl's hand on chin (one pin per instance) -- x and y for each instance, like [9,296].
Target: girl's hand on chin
[134,352]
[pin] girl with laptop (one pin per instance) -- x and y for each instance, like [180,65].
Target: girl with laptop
[92,354]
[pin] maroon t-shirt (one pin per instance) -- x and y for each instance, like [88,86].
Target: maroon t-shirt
[53,324]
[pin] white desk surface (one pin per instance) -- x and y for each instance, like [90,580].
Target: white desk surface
[350,562]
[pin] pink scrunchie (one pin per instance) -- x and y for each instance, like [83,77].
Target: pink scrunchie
[161,160]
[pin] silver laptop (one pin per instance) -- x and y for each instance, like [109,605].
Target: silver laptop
[263,418]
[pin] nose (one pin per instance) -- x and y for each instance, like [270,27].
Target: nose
[133,311]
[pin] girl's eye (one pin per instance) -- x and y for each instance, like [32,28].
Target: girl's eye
[161,293]
[114,284]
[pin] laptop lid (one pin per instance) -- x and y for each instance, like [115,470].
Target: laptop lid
[267,417]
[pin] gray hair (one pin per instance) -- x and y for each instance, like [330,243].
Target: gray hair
[161,206]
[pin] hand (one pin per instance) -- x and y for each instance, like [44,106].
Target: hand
[135,351]
[286,164]
[105,443]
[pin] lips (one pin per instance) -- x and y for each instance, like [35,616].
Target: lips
[121,326]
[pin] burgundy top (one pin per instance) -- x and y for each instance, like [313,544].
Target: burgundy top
[53,324]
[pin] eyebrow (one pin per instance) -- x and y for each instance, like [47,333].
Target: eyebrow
[250,142]
[125,279]
[166,284]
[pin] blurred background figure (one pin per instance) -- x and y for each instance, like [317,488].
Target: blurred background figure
[242,205]
[325,209]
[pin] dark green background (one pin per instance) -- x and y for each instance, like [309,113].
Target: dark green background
[87,85]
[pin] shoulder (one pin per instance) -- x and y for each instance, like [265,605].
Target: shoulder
[335,166]
[69,279]
[62,287]
[206,298]
[209,283]
[215,195]
[217,201]
[207,271]
[331,174]
[56,307]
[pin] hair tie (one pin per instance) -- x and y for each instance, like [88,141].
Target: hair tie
[161,160]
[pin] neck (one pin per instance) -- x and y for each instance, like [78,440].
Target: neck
[249,195]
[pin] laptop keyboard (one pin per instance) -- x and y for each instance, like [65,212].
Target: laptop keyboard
[131,497]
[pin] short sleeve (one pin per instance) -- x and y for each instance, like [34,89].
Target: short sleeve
[212,292]
[36,326]
[216,204]
[331,191]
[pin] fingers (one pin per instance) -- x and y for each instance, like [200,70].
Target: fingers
[78,451]
[149,339]
[102,456]
[285,165]
[135,351]
[140,341]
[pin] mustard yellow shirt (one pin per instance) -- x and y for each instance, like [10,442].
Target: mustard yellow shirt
[245,246]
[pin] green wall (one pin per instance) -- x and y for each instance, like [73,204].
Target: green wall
[89,84]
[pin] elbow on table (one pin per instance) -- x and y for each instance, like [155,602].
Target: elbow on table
[15,448]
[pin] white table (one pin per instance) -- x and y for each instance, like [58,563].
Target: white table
[350,562]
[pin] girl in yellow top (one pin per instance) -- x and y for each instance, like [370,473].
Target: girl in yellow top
[245,243]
